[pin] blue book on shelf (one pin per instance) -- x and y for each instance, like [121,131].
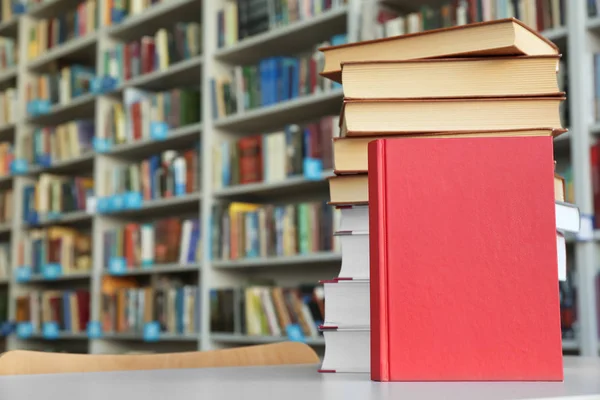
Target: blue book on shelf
[194,239]
[295,78]
[279,217]
[278,94]
[284,84]
[225,164]
[66,303]
[263,69]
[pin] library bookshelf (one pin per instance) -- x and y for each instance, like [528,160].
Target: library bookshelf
[198,71]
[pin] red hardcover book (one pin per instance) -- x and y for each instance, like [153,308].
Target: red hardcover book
[250,150]
[464,281]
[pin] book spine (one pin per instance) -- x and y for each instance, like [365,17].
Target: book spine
[378,263]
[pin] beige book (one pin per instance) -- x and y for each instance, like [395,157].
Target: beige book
[504,37]
[354,189]
[447,78]
[381,117]
[350,154]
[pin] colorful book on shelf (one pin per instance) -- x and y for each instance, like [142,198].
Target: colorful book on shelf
[128,307]
[8,53]
[168,174]
[68,249]
[274,156]
[540,15]
[60,86]
[507,269]
[165,241]
[240,19]
[478,39]
[271,81]
[153,53]
[267,310]
[53,195]
[6,158]
[243,230]
[76,22]
[67,310]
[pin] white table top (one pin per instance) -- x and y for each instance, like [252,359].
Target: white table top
[582,378]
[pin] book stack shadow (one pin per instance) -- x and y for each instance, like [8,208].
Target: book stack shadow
[445,163]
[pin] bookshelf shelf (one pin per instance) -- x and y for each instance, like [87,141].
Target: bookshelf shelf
[285,187]
[280,114]
[556,35]
[185,203]
[142,148]
[81,106]
[570,344]
[61,336]
[290,39]
[75,217]
[593,24]
[163,337]
[160,269]
[177,74]
[84,162]
[5,228]
[7,74]
[78,48]
[153,18]
[48,8]
[9,28]
[247,339]
[38,278]
[319,258]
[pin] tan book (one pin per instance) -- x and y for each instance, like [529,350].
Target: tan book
[452,77]
[350,154]
[381,117]
[503,37]
[559,188]
[349,189]
[354,189]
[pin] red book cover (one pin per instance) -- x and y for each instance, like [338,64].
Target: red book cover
[250,150]
[83,307]
[464,274]
[136,114]
[130,245]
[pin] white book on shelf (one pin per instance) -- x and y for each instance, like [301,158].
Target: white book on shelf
[567,217]
[347,303]
[354,218]
[355,254]
[561,249]
[347,350]
[186,237]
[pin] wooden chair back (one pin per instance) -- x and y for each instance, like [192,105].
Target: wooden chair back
[22,362]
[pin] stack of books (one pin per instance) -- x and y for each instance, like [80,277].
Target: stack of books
[418,89]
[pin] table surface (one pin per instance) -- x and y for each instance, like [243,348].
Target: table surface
[582,380]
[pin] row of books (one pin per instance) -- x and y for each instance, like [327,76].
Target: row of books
[538,14]
[127,307]
[244,230]
[165,241]
[60,85]
[274,156]
[49,145]
[6,158]
[5,258]
[272,80]
[267,310]
[53,195]
[69,309]
[75,22]
[133,119]
[6,206]
[239,19]
[153,53]
[8,106]
[9,52]
[67,247]
[171,173]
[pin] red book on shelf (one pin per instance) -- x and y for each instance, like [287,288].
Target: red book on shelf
[464,282]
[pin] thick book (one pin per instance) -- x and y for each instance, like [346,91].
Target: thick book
[347,303]
[464,260]
[452,77]
[346,350]
[363,117]
[504,37]
[350,153]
